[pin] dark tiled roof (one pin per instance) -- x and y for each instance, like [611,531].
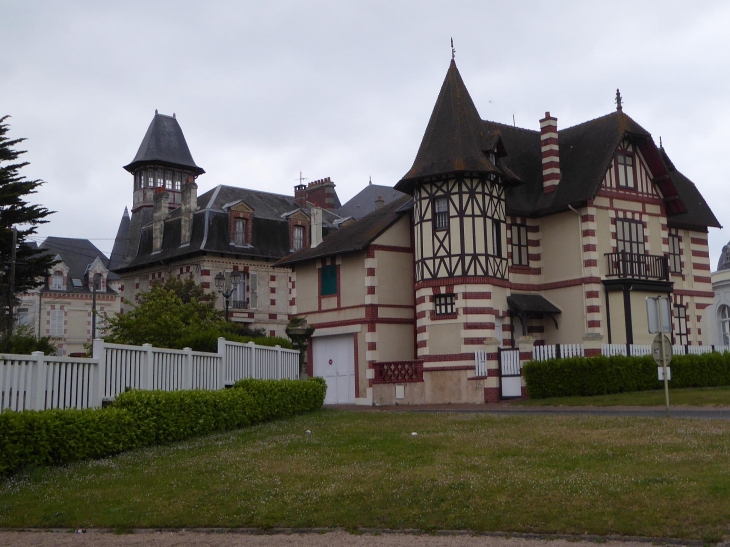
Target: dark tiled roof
[356,236]
[120,242]
[455,138]
[210,230]
[698,212]
[531,303]
[164,144]
[77,255]
[364,202]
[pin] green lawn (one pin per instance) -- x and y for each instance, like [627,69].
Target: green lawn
[702,396]
[549,474]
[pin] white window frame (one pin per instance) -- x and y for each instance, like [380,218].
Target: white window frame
[725,324]
[239,235]
[57,281]
[625,168]
[55,328]
[441,213]
[253,291]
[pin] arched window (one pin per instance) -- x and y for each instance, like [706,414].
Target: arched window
[725,325]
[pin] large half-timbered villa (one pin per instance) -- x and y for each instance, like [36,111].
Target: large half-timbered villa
[506,237]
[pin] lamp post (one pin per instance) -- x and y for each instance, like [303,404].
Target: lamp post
[95,280]
[220,284]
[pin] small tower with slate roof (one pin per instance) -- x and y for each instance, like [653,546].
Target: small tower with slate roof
[163,163]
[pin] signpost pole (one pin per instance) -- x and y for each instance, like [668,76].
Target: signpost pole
[663,353]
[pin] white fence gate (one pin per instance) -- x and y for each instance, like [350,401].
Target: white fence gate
[510,373]
[39,382]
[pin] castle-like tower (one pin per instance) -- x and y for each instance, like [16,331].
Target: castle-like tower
[162,161]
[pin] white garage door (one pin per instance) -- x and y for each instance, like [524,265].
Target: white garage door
[334,360]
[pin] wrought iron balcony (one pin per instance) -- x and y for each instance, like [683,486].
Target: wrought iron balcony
[637,266]
[239,304]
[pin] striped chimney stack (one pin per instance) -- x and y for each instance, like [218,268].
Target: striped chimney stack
[550,153]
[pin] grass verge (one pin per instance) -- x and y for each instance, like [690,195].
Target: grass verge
[546,474]
[700,396]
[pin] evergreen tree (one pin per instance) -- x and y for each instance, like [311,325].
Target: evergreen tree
[32,265]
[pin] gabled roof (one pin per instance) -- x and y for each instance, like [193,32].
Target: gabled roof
[77,255]
[455,139]
[164,144]
[364,202]
[356,236]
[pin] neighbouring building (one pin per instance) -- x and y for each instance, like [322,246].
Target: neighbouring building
[173,231]
[62,307]
[717,318]
[509,237]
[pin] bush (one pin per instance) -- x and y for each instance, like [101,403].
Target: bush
[143,418]
[24,342]
[207,340]
[585,376]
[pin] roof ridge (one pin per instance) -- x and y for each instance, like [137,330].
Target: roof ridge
[512,126]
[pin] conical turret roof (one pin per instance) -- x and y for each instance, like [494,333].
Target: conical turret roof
[120,242]
[164,143]
[455,138]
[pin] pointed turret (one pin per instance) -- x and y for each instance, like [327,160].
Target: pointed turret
[162,161]
[455,139]
[120,242]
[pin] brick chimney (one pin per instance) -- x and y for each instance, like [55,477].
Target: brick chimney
[300,195]
[550,153]
[321,193]
[189,204]
[379,202]
[316,227]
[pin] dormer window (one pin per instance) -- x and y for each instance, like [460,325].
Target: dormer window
[57,281]
[239,231]
[493,158]
[298,238]
[625,168]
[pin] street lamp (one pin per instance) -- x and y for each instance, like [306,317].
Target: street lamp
[220,283]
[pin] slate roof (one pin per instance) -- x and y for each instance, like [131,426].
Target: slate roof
[455,139]
[364,202]
[120,242]
[356,236]
[77,255]
[164,144]
[210,228]
[531,303]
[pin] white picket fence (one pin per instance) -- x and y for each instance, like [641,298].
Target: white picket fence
[39,382]
[543,353]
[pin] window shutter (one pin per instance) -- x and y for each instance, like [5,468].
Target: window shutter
[56,323]
[254,291]
[329,280]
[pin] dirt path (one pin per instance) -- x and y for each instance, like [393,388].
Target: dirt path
[310,539]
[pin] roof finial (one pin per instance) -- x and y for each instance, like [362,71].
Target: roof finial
[619,107]
[155,112]
[453,51]
[660,142]
[173,115]
[371,180]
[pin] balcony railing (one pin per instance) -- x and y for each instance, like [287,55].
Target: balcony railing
[239,304]
[637,266]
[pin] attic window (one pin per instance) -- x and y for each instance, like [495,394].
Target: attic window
[239,231]
[493,158]
[76,282]
[298,237]
[57,281]
[625,167]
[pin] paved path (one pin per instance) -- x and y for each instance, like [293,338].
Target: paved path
[228,538]
[708,412]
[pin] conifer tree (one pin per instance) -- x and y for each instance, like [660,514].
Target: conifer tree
[31,264]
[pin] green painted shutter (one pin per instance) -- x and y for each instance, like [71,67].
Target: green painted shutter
[329,280]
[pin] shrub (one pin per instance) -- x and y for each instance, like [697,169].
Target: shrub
[143,418]
[207,340]
[585,376]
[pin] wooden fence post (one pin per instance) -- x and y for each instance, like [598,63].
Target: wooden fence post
[148,374]
[187,379]
[279,364]
[37,396]
[252,361]
[99,354]
[222,364]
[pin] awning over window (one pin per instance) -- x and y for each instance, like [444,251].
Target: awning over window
[526,306]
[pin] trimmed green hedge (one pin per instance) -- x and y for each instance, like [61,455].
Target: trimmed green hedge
[144,418]
[585,376]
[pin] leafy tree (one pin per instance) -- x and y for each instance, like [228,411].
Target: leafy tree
[32,265]
[166,315]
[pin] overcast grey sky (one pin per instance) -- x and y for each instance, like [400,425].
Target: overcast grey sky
[342,89]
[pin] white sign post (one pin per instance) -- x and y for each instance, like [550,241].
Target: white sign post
[660,322]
